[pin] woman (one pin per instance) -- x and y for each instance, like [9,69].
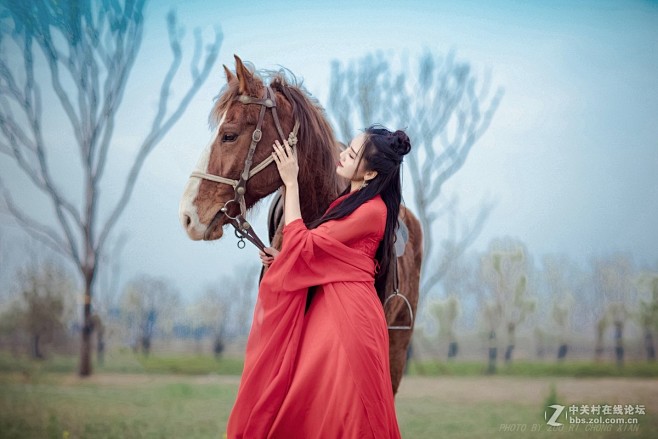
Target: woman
[324,373]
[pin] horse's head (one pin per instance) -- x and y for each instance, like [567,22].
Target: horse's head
[235,117]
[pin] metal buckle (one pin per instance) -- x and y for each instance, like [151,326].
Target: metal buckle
[256,135]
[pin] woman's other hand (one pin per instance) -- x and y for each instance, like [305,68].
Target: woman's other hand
[268,256]
[286,162]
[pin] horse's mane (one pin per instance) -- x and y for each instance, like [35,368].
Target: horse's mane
[316,143]
[317,148]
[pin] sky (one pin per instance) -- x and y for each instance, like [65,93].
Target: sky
[569,160]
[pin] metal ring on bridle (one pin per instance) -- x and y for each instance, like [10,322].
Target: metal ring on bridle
[225,210]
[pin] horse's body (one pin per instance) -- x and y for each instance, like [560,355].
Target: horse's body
[317,151]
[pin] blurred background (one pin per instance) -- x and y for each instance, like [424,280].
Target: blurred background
[533,172]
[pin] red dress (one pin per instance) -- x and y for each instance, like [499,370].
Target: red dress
[323,374]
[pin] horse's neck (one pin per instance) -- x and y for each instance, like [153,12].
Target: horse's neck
[320,200]
[317,192]
[318,187]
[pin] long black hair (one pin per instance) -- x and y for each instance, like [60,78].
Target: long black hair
[383,152]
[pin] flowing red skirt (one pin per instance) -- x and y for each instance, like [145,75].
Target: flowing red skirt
[323,374]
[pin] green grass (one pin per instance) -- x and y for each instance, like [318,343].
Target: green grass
[127,362]
[190,396]
[183,406]
[576,369]
[54,409]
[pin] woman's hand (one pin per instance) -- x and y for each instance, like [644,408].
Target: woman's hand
[268,256]
[286,162]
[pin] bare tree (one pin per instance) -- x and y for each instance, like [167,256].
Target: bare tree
[505,269]
[106,303]
[4,248]
[459,282]
[45,289]
[446,312]
[445,111]
[613,282]
[561,277]
[211,311]
[149,305]
[648,314]
[226,306]
[89,49]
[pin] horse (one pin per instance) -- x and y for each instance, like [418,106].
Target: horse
[224,185]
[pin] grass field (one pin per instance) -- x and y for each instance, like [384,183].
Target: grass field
[126,362]
[47,400]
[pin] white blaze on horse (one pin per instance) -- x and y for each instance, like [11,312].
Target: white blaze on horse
[235,171]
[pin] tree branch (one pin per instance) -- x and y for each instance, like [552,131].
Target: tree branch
[439,101]
[114,88]
[35,229]
[158,131]
[19,140]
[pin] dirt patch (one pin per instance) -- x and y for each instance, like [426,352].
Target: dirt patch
[533,390]
[465,390]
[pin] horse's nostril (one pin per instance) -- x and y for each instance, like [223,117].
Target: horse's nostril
[188,221]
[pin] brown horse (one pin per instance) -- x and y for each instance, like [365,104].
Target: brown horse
[248,117]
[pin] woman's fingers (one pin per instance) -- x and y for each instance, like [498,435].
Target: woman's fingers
[277,154]
[279,148]
[283,151]
[267,255]
[289,151]
[286,162]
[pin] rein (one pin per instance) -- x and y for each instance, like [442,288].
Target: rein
[243,229]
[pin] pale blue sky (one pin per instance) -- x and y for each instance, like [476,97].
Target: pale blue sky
[570,157]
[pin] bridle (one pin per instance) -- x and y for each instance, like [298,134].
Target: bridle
[243,229]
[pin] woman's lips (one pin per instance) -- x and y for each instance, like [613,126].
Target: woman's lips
[339,164]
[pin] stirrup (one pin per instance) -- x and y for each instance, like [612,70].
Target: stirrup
[397,293]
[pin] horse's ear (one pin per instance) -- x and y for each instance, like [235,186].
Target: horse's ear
[244,76]
[229,74]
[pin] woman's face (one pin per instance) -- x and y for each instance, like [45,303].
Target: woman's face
[349,159]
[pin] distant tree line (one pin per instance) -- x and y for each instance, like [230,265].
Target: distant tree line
[501,293]
[555,301]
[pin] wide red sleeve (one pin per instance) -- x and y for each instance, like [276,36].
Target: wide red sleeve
[324,255]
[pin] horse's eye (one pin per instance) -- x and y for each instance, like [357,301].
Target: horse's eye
[229,137]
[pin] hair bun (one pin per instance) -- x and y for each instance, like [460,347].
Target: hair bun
[402,143]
